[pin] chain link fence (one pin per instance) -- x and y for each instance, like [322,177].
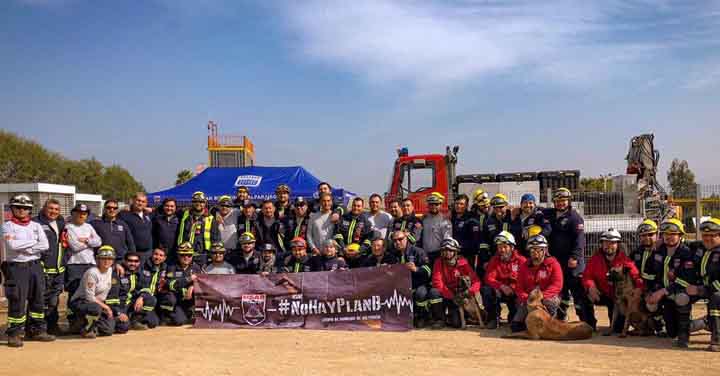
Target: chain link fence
[696,205]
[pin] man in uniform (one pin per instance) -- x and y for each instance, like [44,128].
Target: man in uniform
[241,195]
[677,277]
[52,261]
[114,232]
[498,221]
[25,243]
[165,228]
[529,215]
[248,218]
[177,301]
[282,205]
[710,273]
[567,245]
[199,228]
[461,228]
[297,223]
[354,228]
[642,257]
[138,290]
[417,262]
[247,259]
[271,230]
[140,225]
[298,261]
[447,271]
[408,222]
[501,279]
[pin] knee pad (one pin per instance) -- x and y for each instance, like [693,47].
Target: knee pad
[681,299]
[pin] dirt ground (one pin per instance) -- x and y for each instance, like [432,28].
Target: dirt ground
[187,351]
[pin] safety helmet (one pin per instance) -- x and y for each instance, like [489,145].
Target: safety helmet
[225,201]
[268,247]
[435,198]
[282,188]
[711,226]
[648,226]
[537,241]
[562,194]
[353,247]
[300,201]
[242,188]
[298,242]
[246,238]
[672,226]
[505,238]
[185,249]
[21,201]
[533,230]
[217,247]
[611,235]
[480,195]
[450,244]
[198,197]
[106,251]
[527,197]
[499,201]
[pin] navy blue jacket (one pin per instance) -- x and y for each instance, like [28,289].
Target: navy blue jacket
[141,229]
[165,233]
[116,234]
[567,238]
[52,259]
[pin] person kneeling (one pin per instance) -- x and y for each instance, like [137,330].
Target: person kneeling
[603,266]
[218,265]
[541,272]
[89,301]
[447,272]
[501,279]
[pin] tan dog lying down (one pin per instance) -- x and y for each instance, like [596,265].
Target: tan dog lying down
[540,325]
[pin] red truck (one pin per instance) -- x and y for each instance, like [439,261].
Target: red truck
[417,176]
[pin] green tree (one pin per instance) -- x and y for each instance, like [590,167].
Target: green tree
[599,184]
[183,176]
[681,179]
[119,184]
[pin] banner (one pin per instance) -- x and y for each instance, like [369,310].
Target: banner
[357,299]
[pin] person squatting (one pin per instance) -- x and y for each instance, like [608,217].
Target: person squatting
[136,269]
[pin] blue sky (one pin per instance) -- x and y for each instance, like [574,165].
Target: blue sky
[337,86]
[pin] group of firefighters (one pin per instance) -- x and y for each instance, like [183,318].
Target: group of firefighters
[136,268]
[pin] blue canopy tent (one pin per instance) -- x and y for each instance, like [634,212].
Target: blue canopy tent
[261,181]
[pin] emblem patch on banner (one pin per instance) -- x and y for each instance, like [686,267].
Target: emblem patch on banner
[253,308]
[250,181]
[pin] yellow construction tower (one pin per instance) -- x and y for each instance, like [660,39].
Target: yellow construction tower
[229,150]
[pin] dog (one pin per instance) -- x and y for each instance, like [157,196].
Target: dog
[540,325]
[628,303]
[469,303]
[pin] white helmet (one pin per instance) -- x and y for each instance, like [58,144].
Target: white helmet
[611,235]
[505,238]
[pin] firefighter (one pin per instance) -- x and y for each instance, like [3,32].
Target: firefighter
[677,277]
[52,261]
[218,265]
[25,242]
[138,287]
[271,230]
[642,257]
[248,218]
[283,208]
[296,223]
[178,303]
[81,240]
[567,245]
[247,259]
[90,302]
[605,269]
[417,262]
[710,272]
[298,261]
[354,228]
[501,279]
[242,194]
[435,227]
[199,228]
[379,254]
[459,218]
[268,264]
[408,221]
[165,228]
[542,272]
[481,203]
[499,220]
[114,232]
[529,215]
[329,260]
[155,269]
[447,271]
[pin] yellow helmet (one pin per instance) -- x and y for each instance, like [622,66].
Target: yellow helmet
[480,195]
[185,249]
[225,200]
[562,194]
[648,226]
[672,226]
[435,198]
[499,200]
[198,197]
[353,247]
[533,230]
[711,226]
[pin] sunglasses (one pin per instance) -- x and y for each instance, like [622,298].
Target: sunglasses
[111,208]
[185,255]
[398,239]
[132,261]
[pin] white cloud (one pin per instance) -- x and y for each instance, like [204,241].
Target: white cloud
[705,77]
[442,44]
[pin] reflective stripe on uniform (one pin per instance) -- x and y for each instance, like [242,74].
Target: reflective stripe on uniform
[649,277]
[714,312]
[36,315]
[436,301]
[112,301]
[666,269]
[17,320]
[682,282]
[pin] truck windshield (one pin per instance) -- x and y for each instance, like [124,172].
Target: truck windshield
[416,179]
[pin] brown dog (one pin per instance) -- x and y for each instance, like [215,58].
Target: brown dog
[540,325]
[470,304]
[628,303]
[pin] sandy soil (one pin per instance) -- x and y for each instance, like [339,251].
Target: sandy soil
[187,351]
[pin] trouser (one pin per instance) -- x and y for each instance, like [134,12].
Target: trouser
[714,317]
[518,322]
[146,315]
[572,287]
[425,297]
[24,290]
[452,317]
[683,313]
[54,285]
[182,312]
[610,304]
[492,299]
[73,275]
[92,316]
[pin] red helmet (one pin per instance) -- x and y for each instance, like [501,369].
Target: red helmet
[298,242]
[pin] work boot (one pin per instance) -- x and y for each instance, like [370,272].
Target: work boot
[75,326]
[40,337]
[438,324]
[491,324]
[15,341]
[56,331]
[419,322]
[137,325]
[437,311]
[714,324]
[90,334]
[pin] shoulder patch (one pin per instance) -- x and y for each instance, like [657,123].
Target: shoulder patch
[699,252]
[580,227]
[716,257]
[659,258]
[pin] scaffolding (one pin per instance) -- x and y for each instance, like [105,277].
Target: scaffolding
[229,150]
